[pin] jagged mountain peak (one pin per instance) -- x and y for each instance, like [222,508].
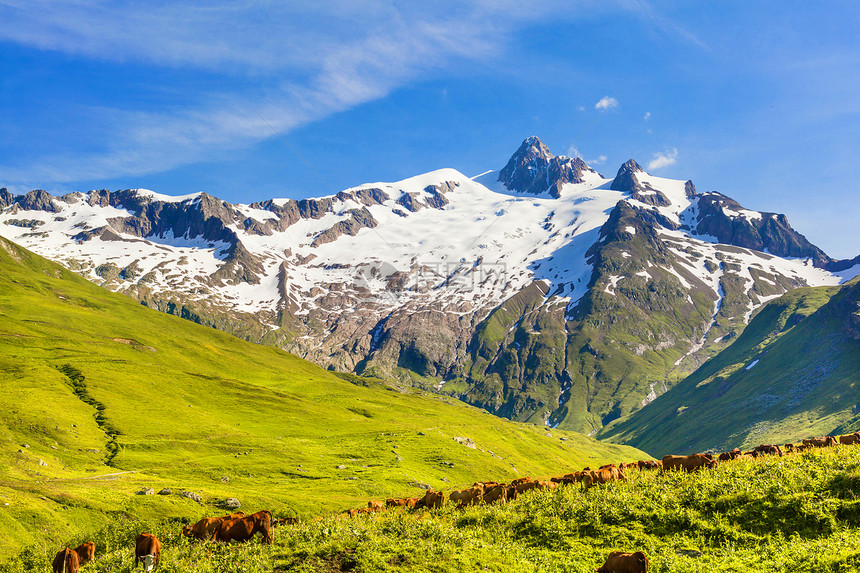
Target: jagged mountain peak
[534,169]
[628,180]
[625,179]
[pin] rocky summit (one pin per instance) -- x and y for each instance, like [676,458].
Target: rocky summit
[543,292]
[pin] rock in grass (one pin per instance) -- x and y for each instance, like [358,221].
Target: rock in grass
[341,467]
[230,503]
[192,496]
[465,441]
[420,485]
[165,491]
[146,491]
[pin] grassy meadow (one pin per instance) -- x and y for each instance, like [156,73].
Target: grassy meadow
[797,513]
[103,397]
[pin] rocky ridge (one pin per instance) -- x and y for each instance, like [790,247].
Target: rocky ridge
[560,297]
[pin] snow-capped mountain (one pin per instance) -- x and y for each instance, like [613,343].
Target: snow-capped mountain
[542,292]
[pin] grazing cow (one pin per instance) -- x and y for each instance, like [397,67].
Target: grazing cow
[86,552]
[242,529]
[768,449]
[605,475]
[359,511]
[521,480]
[525,486]
[375,506]
[824,442]
[497,493]
[205,528]
[401,502]
[850,439]
[730,455]
[66,561]
[285,521]
[470,496]
[432,499]
[567,479]
[619,562]
[147,548]
[540,484]
[689,463]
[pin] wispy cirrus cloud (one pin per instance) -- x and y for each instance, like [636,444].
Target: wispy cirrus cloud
[663,159]
[282,66]
[263,66]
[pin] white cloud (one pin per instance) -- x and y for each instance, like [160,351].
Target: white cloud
[606,103]
[572,151]
[647,115]
[600,160]
[663,159]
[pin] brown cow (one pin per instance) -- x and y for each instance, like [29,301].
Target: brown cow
[567,479]
[432,499]
[470,496]
[689,463]
[619,562]
[540,484]
[497,493]
[242,529]
[86,552]
[605,475]
[401,502]
[66,561]
[824,442]
[769,449]
[285,521]
[147,548]
[730,455]
[205,528]
[850,439]
[376,506]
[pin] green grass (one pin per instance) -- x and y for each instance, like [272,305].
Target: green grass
[114,397]
[795,513]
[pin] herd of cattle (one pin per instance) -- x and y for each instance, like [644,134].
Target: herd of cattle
[239,527]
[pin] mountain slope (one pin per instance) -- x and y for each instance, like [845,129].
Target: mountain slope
[791,374]
[544,292]
[103,397]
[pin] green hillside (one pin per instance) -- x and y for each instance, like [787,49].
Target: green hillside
[103,397]
[793,373]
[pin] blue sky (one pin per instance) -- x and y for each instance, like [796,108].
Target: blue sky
[760,101]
